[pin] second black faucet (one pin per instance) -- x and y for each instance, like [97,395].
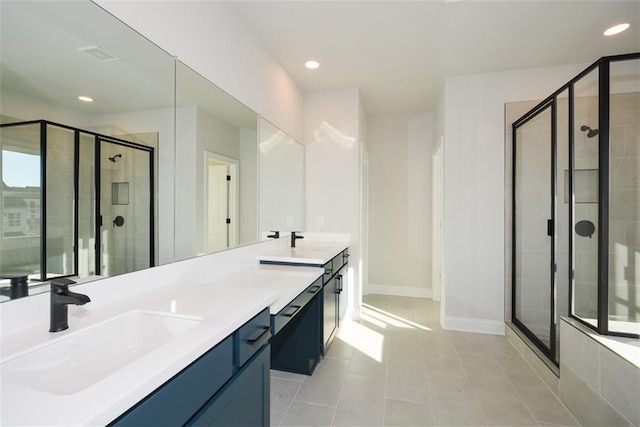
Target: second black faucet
[295,237]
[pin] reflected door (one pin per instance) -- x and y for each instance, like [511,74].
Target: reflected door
[126,208]
[217,207]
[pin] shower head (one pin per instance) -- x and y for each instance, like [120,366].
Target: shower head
[113,159]
[590,132]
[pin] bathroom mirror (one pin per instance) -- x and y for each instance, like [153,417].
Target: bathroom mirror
[144,102]
[216,168]
[54,52]
[281,201]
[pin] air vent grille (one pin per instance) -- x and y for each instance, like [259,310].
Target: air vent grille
[98,53]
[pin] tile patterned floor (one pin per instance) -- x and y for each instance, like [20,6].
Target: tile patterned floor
[397,367]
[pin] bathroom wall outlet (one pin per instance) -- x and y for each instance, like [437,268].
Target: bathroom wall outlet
[320,222]
[289,221]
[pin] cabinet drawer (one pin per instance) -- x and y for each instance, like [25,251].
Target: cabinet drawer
[178,399]
[284,316]
[251,337]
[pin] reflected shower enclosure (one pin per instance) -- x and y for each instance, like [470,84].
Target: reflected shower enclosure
[74,202]
[576,206]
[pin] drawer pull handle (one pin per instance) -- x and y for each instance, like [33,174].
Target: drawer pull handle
[315,289]
[265,330]
[291,314]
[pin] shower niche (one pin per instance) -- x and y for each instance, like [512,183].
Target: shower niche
[74,202]
[575,206]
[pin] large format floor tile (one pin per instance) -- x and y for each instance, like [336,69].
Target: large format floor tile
[398,367]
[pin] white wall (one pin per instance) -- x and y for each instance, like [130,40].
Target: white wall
[332,169]
[209,37]
[400,149]
[474,189]
[248,186]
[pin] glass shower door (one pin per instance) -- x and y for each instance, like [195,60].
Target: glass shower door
[125,206]
[534,204]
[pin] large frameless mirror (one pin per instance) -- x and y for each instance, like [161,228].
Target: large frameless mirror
[281,204]
[86,109]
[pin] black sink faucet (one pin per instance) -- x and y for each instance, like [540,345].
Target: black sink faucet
[61,297]
[294,237]
[275,235]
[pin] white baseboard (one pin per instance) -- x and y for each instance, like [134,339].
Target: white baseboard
[401,291]
[479,326]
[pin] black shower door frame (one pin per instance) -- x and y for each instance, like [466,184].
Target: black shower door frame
[550,351]
[97,138]
[602,327]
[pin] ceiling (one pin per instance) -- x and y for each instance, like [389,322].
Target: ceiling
[399,52]
[40,60]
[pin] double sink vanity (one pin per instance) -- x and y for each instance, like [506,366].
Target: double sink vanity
[186,343]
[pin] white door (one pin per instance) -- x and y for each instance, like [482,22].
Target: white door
[217,208]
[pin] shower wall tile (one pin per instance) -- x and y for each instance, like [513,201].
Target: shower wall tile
[621,385]
[589,408]
[597,385]
[581,353]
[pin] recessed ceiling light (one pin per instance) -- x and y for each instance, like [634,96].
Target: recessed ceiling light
[312,65]
[617,29]
[85,98]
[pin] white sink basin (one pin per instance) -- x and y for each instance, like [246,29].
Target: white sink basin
[82,359]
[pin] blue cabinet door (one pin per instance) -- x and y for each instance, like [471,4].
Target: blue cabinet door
[330,315]
[178,399]
[244,401]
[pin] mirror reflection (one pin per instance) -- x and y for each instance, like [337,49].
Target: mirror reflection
[216,168]
[116,157]
[281,181]
[85,103]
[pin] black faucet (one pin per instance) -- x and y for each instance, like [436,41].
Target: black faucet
[61,297]
[275,235]
[294,238]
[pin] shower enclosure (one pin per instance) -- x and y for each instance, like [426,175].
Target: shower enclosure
[576,206]
[74,202]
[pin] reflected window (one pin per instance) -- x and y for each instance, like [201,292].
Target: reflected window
[20,194]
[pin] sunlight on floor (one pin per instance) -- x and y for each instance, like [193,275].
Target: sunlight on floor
[367,340]
[390,319]
[362,338]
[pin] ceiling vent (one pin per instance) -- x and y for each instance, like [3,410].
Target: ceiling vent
[98,53]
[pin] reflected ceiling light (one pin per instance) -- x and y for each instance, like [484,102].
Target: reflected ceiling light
[617,29]
[85,98]
[312,65]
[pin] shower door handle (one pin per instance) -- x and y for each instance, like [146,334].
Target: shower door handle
[550,227]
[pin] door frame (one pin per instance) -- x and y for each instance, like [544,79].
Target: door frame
[437,204]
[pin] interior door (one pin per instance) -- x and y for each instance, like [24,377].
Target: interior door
[217,207]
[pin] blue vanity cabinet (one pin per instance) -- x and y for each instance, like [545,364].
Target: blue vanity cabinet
[335,297]
[230,380]
[333,302]
[297,342]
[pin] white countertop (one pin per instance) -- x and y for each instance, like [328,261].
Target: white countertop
[223,306]
[287,281]
[306,252]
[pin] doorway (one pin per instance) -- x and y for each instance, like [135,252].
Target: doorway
[220,202]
